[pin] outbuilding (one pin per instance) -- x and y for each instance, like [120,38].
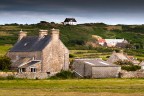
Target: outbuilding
[95,68]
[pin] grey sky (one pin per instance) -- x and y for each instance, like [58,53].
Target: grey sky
[107,11]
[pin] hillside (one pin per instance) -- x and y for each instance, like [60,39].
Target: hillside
[75,37]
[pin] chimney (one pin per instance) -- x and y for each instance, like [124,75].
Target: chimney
[55,34]
[42,33]
[21,35]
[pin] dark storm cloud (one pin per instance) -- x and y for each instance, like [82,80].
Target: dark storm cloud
[110,11]
[57,6]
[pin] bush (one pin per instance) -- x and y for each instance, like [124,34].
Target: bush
[71,56]
[131,68]
[125,62]
[5,63]
[8,78]
[63,75]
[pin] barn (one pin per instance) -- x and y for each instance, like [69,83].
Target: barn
[95,68]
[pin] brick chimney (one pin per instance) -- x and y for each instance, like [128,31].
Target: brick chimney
[42,33]
[21,35]
[55,34]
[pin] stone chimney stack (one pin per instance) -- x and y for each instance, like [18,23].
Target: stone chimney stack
[21,35]
[55,34]
[42,33]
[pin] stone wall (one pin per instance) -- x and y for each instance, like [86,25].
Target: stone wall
[132,74]
[5,74]
[28,75]
[55,57]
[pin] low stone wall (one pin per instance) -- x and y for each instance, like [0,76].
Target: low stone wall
[132,74]
[27,75]
[30,75]
[5,74]
[122,74]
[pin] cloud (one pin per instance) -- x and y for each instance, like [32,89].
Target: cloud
[89,5]
[109,11]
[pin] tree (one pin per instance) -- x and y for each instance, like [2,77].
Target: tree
[5,63]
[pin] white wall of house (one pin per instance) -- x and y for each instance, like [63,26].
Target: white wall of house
[70,23]
[142,67]
[113,42]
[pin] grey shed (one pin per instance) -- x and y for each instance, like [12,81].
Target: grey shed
[95,68]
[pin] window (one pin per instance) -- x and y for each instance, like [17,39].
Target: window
[22,70]
[33,69]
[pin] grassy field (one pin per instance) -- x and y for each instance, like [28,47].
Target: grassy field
[90,54]
[4,49]
[82,53]
[76,87]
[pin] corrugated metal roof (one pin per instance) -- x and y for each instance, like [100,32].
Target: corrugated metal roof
[96,62]
[31,43]
[121,56]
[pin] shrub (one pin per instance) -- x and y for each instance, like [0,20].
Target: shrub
[71,56]
[63,75]
[8,78]
[131,68]
[5,63]
[124,62]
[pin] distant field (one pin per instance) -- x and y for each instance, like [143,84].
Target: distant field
[4,49]
[78,53]
[89,54]
[76,87]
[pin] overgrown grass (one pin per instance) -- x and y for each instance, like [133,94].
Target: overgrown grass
[129,87]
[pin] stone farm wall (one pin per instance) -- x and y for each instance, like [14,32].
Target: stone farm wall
[132,74]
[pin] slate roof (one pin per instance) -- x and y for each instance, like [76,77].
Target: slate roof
[70,20]
[96,62]
[29,64]
[21,60]
[30,44]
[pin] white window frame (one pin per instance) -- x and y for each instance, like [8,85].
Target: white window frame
[33,69]
[20,70]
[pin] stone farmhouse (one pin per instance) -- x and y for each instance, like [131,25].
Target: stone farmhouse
[39,56]
[95,68]
[121,56]
[70,21]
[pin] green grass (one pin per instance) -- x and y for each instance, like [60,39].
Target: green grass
[129,87]
[4,49]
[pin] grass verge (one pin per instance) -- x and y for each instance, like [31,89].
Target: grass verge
[73,87]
